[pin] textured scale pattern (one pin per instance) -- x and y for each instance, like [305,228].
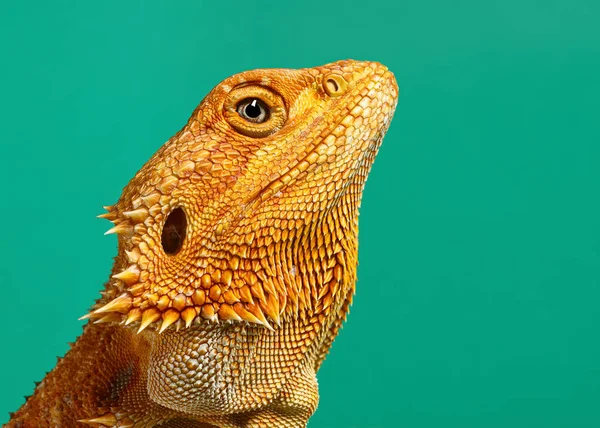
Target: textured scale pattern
[236,261]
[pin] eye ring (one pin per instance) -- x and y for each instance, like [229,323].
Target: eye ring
[254,110]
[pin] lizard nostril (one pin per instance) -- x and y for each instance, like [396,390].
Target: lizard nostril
[173,232]
[335,85]
[332,85]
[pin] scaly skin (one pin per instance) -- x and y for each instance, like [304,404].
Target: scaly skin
[236,260]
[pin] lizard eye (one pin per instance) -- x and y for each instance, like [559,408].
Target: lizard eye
[253,110]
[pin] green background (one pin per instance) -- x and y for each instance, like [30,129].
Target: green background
[478,301]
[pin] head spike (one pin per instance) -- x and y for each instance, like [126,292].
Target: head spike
[245,314]
[120,229]
[129,276]
[133,255]
[226,313]
[134,315]
[188,316]
[169,318]
[85,317]
[137,289]
[107,420]
[110,317]
[208,313]
[271,308]
[255,310]
[246,294]
[148,317]
[226,277]
[108,216]
[151,200]
[137,216]
[121,304]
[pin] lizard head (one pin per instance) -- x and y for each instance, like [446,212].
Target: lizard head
[249,213]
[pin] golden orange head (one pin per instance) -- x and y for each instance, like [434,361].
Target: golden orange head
[249,213]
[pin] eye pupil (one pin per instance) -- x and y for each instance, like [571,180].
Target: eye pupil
[253,110]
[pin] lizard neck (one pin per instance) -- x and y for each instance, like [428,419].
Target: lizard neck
[104,363]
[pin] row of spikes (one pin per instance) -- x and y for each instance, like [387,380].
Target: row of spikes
[118,308]
[123,227]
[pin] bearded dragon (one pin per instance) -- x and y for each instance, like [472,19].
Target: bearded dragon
[236,264]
